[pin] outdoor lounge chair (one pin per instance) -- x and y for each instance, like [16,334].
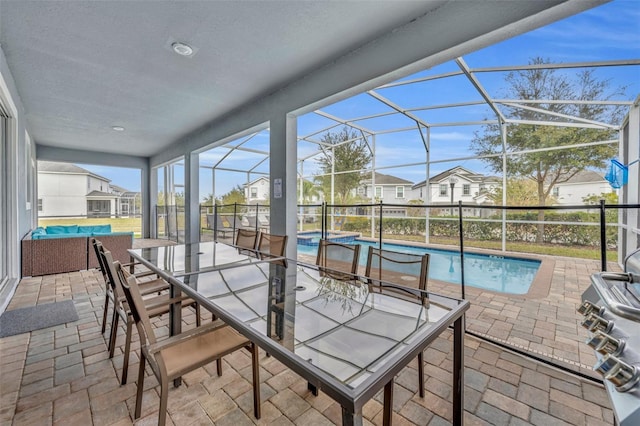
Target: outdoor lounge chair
[339,261]
[177,355]
[224,225]
[404,269]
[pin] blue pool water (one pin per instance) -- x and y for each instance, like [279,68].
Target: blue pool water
[498,273]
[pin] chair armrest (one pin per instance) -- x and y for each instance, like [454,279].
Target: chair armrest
[189,334]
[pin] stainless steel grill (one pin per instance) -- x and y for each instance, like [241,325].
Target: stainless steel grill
[611,309]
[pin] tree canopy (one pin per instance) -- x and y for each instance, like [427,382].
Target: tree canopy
[348,151]
[547,168]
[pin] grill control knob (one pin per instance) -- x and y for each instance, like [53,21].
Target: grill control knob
[595,323]
[587,307]
[605,344]
[623,376]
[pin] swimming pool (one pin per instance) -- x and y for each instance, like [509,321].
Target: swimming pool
[503,274]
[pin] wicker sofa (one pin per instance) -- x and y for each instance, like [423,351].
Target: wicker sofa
[58,249]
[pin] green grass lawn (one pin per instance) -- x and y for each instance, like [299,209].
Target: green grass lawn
[520,247]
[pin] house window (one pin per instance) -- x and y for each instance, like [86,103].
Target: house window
[556,191]
[39,204]
[466,189]
[444,189]
[420,192]
[399,191]
[254,192]
[378,192]
[362,191]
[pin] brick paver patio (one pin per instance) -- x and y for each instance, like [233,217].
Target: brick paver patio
[62,374]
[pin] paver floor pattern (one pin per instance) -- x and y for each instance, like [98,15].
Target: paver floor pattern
[62,375]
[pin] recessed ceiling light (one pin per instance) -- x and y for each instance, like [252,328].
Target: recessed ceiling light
[182,49]
[118,128]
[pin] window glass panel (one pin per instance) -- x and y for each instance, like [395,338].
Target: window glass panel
[399,191]
[466,189]
[378,191]
[444,189]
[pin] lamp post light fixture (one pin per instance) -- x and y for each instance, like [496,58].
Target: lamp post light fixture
[452,184]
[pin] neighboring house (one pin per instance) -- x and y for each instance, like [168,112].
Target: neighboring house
[583,184]
[257,191]
[68,190]
[129,202]
[388,190]
[468,187]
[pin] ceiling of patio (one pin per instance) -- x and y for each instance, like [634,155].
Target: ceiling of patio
[82,68]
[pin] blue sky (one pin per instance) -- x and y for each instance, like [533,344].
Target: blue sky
[608,32]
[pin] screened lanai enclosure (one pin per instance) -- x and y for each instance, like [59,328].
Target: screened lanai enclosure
[509,175]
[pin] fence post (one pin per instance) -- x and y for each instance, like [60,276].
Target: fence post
[380,228]
[235,215]
[603,236]
[461,247]
[215,223]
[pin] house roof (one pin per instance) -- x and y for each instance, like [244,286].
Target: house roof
[256,180]
[382,179]
[461,172]
[101,194]
[55,167]
[584,176]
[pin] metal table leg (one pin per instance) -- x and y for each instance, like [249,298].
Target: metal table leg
[388,403]
[458,371]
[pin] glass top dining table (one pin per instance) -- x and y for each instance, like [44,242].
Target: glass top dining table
[183,259]
[344,337]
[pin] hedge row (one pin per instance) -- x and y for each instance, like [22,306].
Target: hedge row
[557,233]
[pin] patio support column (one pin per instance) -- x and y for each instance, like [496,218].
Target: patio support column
[283,173]
[149,201]
[191,198]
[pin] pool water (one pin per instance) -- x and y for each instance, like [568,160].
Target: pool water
[498,273]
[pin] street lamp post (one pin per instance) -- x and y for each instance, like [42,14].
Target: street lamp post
[452,184]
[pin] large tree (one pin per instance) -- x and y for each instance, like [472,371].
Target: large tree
[347,150]
[548,168]
[234,196]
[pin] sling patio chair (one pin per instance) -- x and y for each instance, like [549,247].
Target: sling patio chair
[177,355]
[386,267]
[337,260]
[246,240]
[271,245]
[148,287]
[155,307]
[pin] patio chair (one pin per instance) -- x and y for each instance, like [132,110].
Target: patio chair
[155,306]
[252,222]
[148,287]
[337,260]
[177,355]
[246,240]
[270,245]
[223,225]
[405,270]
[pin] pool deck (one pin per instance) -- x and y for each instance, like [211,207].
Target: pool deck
[62,374]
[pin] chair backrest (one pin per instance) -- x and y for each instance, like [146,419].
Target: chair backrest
[136,305]
[223,222]
[253,221]
[404,269]
[246,238]
[210,221]
[270,245]
[111,271]
[338,257]
[96,244]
